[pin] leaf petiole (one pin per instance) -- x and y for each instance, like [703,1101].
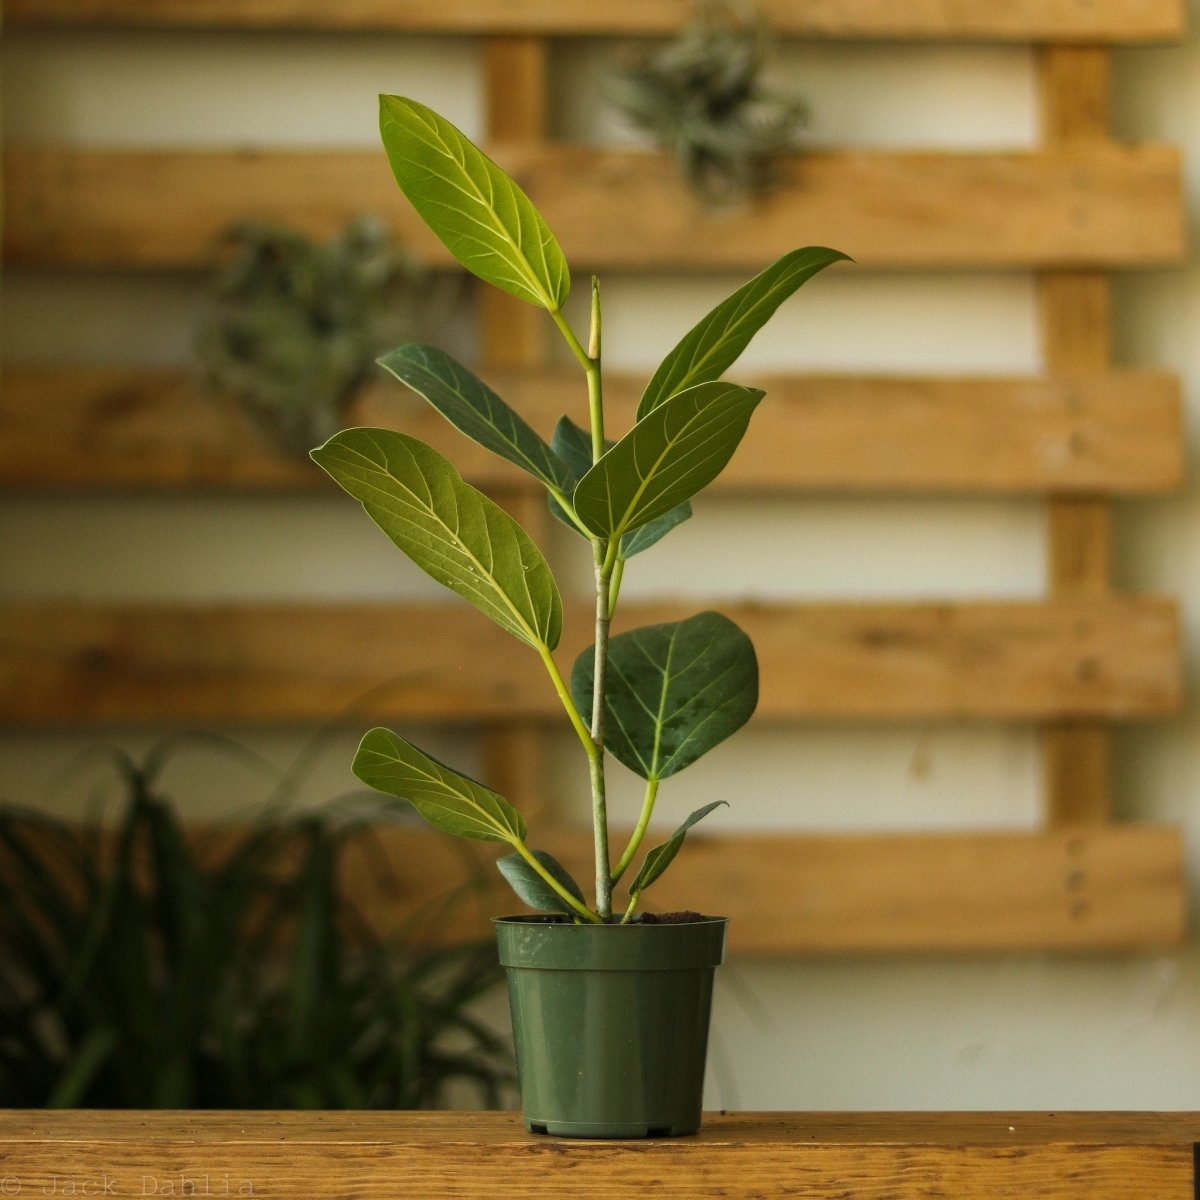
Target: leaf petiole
[639,831]
[558,889]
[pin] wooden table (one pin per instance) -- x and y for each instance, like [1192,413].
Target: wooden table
[863,1156]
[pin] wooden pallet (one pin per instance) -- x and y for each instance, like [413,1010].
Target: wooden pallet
[1073,209]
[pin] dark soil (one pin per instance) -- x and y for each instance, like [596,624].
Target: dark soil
[684,917]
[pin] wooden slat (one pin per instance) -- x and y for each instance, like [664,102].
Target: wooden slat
[1102,888]
[1076,322]
[1014,20]
[1082,205]
[1120,433]
[63,663]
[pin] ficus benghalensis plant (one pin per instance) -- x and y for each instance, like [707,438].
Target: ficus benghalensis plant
[655,698]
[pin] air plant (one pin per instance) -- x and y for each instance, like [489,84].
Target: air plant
[291,327]
[701,98]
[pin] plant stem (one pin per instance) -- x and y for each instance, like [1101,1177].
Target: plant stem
[639,832]
[614,586]
[564,695]
[602,554]
[604,879]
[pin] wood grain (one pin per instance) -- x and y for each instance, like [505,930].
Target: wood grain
[787,893]
[93,664]
[1119,432]
[1014,20]
[1087,204]
[431,1155]
[1076,325]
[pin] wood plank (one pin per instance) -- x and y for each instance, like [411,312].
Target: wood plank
[1076,323]
[1093,888]
[1095,205]
[64,663]
[1015,20]
[488,1156]
[1115,433]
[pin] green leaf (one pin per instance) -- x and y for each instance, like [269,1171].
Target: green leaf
[450,530]
[574,446]
[532,888]
[674,691]
[646,535]
[666,458]
[480,214]
[447,800]
[660,858]
[475,410]
[715,344]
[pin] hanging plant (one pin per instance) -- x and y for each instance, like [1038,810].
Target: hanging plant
[701,98]
[292,327]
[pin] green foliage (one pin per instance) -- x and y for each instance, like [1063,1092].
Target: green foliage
[674,691]
[574,446]
[660,858]
[139,969]
[480,214]
[710,348]
[476,411]
[658,698]
[531,886]
[666,458]
[447,800]
[453,532]
[291,327]
[701,97]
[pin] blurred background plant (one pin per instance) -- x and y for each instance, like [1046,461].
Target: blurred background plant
[141,967]
[702,99]
[291,328]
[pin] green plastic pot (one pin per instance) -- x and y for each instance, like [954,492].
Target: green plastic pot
[610,1023]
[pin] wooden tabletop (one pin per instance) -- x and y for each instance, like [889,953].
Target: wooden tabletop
[864,1156]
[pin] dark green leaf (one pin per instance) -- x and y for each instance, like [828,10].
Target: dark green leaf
[455,533]
[714,345]
[532,888]
[484,219]
[666,458]
[660,858]
[447,800]
[474,409]
[644,536]
[674,691]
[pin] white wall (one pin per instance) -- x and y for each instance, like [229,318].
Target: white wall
[1016,1031]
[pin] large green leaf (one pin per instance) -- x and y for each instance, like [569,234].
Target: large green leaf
[484,219]
[661,857]
[448,528]
[574,446]
[714,345]
[474,409]
[666,458]
[674,691]
[532,888]
[447,800]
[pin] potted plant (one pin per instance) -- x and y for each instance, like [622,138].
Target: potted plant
[610,1008]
